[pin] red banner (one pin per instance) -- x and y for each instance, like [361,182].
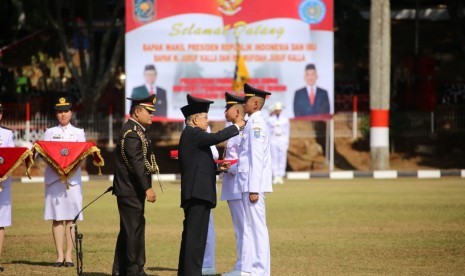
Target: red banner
[64,156]
[11,158]
[199,47]
[141,12]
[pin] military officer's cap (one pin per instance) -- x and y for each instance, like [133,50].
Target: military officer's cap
[63,104]
[232,100]
[250,91]
[195,105]
[147,102]
[310,66]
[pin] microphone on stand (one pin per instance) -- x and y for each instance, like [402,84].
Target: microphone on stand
[77,216]
[78,237]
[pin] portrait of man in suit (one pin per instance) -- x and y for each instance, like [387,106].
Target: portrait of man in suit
[150,88]
[311,99]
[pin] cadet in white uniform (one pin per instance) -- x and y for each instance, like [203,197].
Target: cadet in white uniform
[231,190]
[6,140]
[279,142]
[61,204]
[254,178]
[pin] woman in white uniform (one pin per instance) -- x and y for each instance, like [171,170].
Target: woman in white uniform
[6,140]
[62,204]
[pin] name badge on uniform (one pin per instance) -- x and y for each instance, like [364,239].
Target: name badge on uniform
[256,132]
[57,136]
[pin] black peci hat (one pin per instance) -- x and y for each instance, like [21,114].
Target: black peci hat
[232,100]
[195,105]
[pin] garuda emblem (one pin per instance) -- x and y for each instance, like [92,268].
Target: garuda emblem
[229,7]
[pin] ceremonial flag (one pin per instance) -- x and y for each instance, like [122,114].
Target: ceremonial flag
[241,74]
[64,156]
[11,158]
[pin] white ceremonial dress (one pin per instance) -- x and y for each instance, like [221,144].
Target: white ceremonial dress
[6,140]
[62,203]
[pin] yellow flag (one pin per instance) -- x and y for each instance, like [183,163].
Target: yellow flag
[241,74]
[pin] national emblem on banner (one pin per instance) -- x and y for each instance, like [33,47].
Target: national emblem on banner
[144,10]
[11,158]
[229,7]
[63,157]
[312,11]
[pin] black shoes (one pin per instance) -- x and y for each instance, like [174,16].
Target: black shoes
[59,264]
[63,263]
[69,264]
[1,269]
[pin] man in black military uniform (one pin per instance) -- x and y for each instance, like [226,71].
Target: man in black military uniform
[132,184]
[198,178]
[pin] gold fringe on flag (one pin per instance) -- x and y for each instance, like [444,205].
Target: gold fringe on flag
[28,159]
[71,169]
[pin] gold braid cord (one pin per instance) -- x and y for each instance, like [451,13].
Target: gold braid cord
[151,165]
[71,169]
[28,159]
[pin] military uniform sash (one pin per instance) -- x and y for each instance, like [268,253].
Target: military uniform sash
[64,156]
[11,158]
[174,155]
[149,159]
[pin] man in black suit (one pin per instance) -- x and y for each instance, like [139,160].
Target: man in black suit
[311,100]
[149,88]
[132,184]
[198,178]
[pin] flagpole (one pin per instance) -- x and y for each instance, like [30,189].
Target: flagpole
[236,70]
[241,74]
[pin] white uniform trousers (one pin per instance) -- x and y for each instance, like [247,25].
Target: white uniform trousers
[237,215]
[209,257]
[256,235]
[278,159]
[5,204]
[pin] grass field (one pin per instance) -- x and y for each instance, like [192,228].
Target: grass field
[317,227]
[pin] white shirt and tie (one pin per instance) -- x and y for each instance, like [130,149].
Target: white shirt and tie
[311,92]
[152,88]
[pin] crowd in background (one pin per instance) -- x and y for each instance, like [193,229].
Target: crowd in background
[46,74]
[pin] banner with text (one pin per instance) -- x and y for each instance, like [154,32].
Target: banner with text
[177,47]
